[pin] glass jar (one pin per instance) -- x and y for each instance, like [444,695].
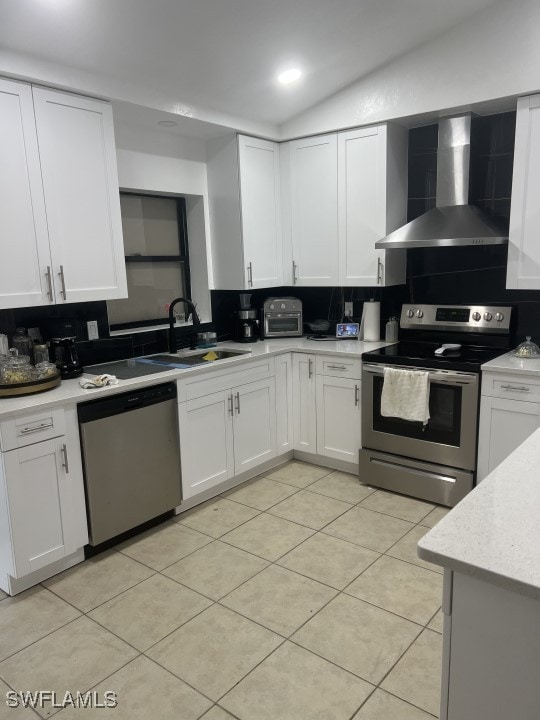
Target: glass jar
[17,369]
[23,343]
[41,353]
[46,370]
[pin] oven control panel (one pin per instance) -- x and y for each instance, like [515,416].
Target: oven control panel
[464,318]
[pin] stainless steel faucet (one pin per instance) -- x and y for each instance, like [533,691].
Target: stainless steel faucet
[196,322]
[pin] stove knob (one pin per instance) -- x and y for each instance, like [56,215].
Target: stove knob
[410,313]
[419,313]
[476,316]
[272,306]
[283,306]
[499,317]
[487,316]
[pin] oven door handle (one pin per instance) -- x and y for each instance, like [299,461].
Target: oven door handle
[439,376]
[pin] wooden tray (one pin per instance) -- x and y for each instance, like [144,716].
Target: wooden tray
[31,387]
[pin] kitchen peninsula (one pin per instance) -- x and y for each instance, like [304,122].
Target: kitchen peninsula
[489,547]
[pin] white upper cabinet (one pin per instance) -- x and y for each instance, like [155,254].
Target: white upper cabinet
[245,213]
[59,203]
[23,228]
[523,270]
[80,182]
[372,202]
[261,212]
[314,217]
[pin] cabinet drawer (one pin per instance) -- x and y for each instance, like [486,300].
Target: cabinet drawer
[30,429]
[336,366]
[513,387]
[219,380]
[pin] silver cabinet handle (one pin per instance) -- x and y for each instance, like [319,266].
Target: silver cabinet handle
[337,367]
[379,271]
[250,274]
[517,388]
[356,395]
[294,278]
[238,402]
[35,428]
[63,282]
[49,283]
[231,410]
[310,368]
[65,463]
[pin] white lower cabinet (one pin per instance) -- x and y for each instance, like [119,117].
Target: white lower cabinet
[304,403]
[42,508]
[254,424]
[491,646]
[505,422]
[226,433]
[284,403]
[338,418]
[206,444]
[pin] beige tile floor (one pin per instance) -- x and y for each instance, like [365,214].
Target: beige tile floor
[297,596]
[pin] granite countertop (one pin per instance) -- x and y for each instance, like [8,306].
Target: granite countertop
[69,391]
[494,533]
[512,365]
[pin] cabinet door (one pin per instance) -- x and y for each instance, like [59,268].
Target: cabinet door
[38,490]
[284,403]
[314,210]
[304,410]
[361,205]
[338,418]
[261,212]
[80,181]
[504,425]
[523,271]
[23,228]
[206,443]
[254,424]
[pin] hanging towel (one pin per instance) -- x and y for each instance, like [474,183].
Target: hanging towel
[405,394]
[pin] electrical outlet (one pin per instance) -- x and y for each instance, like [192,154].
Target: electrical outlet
[348,309]
[92,327]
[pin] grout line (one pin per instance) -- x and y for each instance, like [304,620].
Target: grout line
[8,657]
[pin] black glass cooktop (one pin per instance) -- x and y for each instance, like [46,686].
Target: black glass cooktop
[422,354]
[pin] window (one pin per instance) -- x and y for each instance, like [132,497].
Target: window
[157,262]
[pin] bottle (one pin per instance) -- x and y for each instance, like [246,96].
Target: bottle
[23,343]
[391,331]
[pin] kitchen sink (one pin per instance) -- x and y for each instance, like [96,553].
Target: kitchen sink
[189,360]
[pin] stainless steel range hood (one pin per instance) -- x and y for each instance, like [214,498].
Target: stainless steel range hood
[453,222]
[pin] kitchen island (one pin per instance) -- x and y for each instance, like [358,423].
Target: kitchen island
[489,545]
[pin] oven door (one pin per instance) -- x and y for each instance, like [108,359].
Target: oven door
[448,438]
[282,325]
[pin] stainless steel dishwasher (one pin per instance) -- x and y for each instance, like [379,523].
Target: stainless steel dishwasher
[131,459]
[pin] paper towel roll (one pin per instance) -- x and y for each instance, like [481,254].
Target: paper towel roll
[372,321]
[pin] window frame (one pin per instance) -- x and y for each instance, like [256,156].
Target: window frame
[182,258]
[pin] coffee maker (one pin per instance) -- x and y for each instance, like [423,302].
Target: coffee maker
[246,321]
[62,348]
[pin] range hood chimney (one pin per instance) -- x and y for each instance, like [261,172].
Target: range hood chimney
[453,222]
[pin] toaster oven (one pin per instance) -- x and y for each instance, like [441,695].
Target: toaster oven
[282,317]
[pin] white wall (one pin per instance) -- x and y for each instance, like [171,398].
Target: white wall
[493,55]
[167,163]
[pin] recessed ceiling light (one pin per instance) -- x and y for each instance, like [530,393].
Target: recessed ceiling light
[289,76]
[167,123]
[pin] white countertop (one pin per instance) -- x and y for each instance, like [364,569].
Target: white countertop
[494,532]
[512,365]
[71,392]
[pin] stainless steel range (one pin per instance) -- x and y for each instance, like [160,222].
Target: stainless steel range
[435,461]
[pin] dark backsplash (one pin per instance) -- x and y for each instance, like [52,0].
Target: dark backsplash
[434,275]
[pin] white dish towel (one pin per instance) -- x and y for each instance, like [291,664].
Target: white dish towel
[405,394]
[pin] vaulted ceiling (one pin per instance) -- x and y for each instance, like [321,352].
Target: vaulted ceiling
[223,55]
